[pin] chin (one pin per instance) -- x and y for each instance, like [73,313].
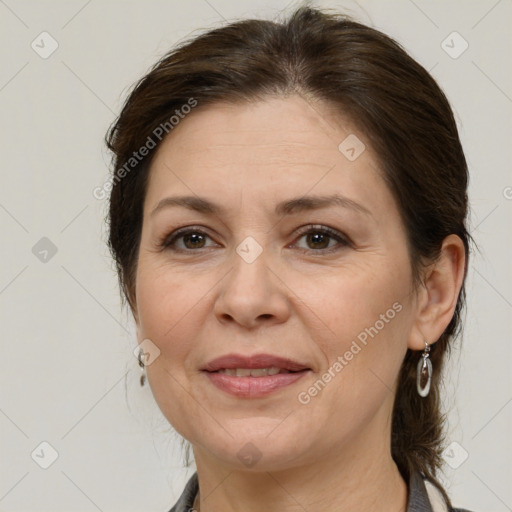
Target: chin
[254,449]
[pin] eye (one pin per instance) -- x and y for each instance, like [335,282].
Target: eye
[319,237]
[191,239]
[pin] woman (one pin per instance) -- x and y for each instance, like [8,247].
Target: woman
[288,221]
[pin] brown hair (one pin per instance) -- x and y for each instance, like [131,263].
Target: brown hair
[391,98]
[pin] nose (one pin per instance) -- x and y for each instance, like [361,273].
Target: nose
[252,294]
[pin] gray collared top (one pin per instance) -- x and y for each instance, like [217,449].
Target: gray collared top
[420,500]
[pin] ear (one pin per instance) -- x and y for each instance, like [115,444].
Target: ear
[438,294]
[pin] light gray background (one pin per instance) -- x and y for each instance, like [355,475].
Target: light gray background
[68,376]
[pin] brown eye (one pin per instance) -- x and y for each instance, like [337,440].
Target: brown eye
[194,240]
[185,240]
[323,239]
[318,240]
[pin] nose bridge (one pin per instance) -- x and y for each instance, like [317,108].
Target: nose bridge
[251,291]
[250,267]
[250,250]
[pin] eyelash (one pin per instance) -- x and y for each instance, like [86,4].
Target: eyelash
[343,241]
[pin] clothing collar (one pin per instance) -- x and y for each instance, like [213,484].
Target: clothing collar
[423,496]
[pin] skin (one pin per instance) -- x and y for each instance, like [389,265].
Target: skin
[295,300]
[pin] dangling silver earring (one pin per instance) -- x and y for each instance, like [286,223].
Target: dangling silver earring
[424,372]
[140,358]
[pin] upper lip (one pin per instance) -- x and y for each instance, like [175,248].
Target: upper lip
[252,362]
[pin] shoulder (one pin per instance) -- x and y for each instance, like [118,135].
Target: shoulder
[186,500]
[425,496]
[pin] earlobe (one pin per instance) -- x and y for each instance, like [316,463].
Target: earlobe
[438,295]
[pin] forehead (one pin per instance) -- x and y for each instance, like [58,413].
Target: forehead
[279,147]
[265,127]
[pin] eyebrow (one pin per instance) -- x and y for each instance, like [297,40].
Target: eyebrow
[288,207]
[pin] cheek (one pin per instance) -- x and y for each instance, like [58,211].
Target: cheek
[170,313]
[364,341]
[172,306]
[366,316]
[161,301]
[356,299]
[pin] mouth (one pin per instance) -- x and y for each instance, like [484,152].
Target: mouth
[255,376]
[255,362]
[254,372]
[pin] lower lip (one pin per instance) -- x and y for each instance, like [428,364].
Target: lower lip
[253,387]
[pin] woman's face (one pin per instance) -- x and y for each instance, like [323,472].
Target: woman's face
[258,274]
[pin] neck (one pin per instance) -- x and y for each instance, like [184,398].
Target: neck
[350,480]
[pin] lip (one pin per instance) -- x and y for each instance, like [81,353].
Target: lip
[253,387]
[252,362]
